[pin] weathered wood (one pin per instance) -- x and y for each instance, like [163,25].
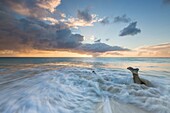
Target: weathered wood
[136,77]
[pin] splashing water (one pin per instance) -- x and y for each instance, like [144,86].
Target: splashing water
[70,86]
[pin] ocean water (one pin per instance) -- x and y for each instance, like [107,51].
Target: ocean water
[68,85]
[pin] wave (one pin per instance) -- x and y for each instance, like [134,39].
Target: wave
[79,90]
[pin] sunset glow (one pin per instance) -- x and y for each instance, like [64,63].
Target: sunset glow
[62,28]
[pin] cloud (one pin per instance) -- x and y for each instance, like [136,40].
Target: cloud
[50,20]
[123,19]
[84,18]
[111,54]
[65,39]
[161,50]
[48,4]
[118,19]
[29,29]
[104,20]
[84,15]
[100,47]
[76,22]
[32,8]
[28,33]
[24,34]
[46,10]
[130,30]
[32,33]
[40,53]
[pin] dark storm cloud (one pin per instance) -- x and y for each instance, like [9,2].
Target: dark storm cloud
[23,30]
[104,21]
[28,33]
[31,33]
[84,15]
[64,38]
[33,8]
[100,47]
[123,19]
[130,30]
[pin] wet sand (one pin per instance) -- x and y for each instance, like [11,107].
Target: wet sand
[111,106]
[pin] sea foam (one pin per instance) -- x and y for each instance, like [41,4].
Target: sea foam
[79,90]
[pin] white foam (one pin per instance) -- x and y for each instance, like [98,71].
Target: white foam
[78,90]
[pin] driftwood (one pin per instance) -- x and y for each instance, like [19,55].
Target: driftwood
[136,77]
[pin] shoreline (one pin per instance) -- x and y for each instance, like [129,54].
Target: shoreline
[112,106]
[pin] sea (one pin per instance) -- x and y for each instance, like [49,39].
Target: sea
[78,85]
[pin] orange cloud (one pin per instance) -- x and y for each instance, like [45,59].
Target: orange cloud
[76,22]
[161,50]
[42,53]
[49,4]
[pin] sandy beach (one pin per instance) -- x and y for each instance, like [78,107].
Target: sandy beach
[112,106]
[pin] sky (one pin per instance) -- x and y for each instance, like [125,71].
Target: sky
[85,28]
